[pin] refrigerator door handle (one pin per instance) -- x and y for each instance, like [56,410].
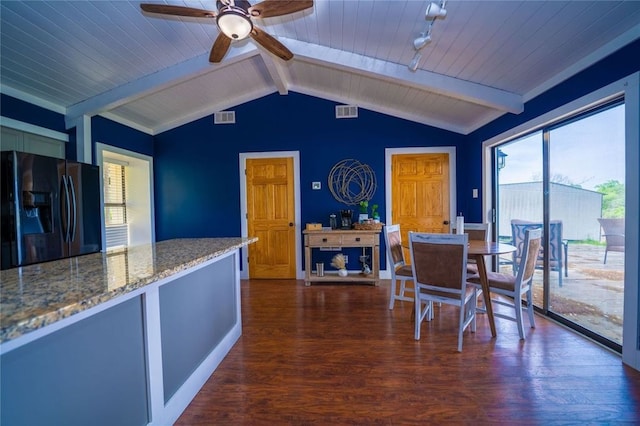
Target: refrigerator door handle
[66,208]
[74,210]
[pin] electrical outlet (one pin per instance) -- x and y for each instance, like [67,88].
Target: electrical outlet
[346,259]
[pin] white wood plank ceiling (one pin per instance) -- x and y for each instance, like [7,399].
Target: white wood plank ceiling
[152,73]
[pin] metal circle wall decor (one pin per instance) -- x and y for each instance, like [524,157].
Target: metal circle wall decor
[350,182]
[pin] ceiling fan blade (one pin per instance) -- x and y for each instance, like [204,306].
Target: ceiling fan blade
[271,44]
[270,8]
[220,48]
[177,10]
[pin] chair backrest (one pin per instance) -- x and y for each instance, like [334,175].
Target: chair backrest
[439,262]
[518,231]
[476,231]
[393,240]
[530,250]
[613,231]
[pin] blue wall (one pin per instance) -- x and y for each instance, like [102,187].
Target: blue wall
[103,130]
[16,109]
[197,165]
[115,134]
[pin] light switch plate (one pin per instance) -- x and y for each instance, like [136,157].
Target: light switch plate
[316,185]
[475,192]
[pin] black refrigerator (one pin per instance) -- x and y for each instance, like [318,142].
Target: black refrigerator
[50,209]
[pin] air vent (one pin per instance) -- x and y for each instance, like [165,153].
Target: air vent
[224,117]
[346,111]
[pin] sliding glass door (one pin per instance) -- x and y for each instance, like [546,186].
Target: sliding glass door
[568,179]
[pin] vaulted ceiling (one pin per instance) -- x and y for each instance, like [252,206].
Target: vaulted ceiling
[152,72]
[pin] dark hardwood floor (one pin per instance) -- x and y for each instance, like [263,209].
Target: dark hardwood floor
[334,354]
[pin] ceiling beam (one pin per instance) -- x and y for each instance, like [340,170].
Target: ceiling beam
[277,70]
[153,83]
[400,74]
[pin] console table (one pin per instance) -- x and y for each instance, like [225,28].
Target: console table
[339,238]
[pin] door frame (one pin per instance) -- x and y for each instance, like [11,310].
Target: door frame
[243,157]
[629,87]
[388,153]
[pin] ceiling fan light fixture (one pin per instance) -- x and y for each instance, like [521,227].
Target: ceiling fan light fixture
[234,23]
[435,11]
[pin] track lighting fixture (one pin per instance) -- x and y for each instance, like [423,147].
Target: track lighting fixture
[435,11]
[413,65]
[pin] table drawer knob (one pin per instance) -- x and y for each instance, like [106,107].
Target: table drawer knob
[324,240]
[357,238]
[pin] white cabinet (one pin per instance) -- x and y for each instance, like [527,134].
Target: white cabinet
[17,140]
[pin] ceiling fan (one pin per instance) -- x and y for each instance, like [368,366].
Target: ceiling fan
[234,19]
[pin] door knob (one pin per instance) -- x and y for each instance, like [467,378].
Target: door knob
[290,223]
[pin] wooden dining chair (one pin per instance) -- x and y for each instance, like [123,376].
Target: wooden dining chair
[514,287]
[476,232]
[439,263]
[400,270]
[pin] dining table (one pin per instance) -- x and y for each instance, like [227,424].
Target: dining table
[477,250]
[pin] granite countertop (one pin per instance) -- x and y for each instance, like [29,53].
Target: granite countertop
[34,296]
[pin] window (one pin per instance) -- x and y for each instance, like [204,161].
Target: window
[115,207]
[569,175]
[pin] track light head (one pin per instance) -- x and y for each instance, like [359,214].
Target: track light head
[435,11]
[423,39]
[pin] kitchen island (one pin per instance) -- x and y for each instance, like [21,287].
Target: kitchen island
[123,337]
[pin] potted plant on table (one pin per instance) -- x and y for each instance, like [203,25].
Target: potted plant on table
[374,213]
[364,211]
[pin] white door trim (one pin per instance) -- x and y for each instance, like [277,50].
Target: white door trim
[244,274]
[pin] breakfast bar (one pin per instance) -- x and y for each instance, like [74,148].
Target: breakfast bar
[125,337]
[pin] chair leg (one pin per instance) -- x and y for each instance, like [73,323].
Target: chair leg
[605,256]
[403,284]
[463,309]
[517,302]
[532,320]
[560,277]
[421,314]
[392,296]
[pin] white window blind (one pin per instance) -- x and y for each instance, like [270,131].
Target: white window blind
[115,207]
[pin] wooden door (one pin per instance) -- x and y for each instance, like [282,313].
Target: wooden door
[420,193]
[271,217]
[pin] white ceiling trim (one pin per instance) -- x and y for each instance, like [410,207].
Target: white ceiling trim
[18,94]
[396,73]
[378,108]
[154,83]
[211,109]
[121,120]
